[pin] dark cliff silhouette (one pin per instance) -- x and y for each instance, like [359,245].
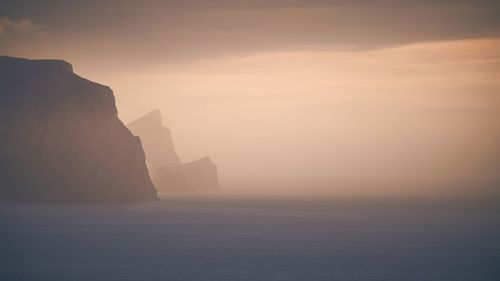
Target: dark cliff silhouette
[167,171]
[61,139]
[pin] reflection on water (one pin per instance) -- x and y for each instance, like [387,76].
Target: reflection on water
[235,237]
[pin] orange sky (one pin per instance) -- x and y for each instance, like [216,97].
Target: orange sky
[303,95]
[424,113]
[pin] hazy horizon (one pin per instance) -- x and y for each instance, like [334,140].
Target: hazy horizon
[342,97]
[346,140]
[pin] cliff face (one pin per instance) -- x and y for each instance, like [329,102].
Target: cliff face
[200,174]
[156,139]
[168,173]
[61,139]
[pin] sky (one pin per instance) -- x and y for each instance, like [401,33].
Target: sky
[349,97]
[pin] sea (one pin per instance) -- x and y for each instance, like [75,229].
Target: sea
[242,237]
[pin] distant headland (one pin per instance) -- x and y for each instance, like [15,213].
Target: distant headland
[62,140]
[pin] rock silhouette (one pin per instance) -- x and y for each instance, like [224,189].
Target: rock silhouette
[156,139]
[61,139]
[169,174]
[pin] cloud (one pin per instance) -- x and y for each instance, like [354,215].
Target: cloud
[175,30]
[8,26]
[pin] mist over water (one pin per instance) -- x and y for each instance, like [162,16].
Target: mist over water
[242,237]
[351,140]
[415,120]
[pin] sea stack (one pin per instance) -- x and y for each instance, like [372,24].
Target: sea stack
[168,173]
[62,140]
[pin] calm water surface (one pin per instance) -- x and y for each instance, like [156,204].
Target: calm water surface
[238,238]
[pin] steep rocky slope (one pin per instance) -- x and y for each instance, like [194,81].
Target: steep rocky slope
[167,171]
[61,139]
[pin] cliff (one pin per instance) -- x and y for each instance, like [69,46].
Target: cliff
[156,139]
[169,174]
[62,139]
[200,174]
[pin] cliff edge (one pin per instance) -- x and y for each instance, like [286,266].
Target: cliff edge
[168,173]
[62,139]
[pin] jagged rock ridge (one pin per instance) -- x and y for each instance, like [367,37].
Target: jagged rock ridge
[62,139]
[156,139]
[167,171]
